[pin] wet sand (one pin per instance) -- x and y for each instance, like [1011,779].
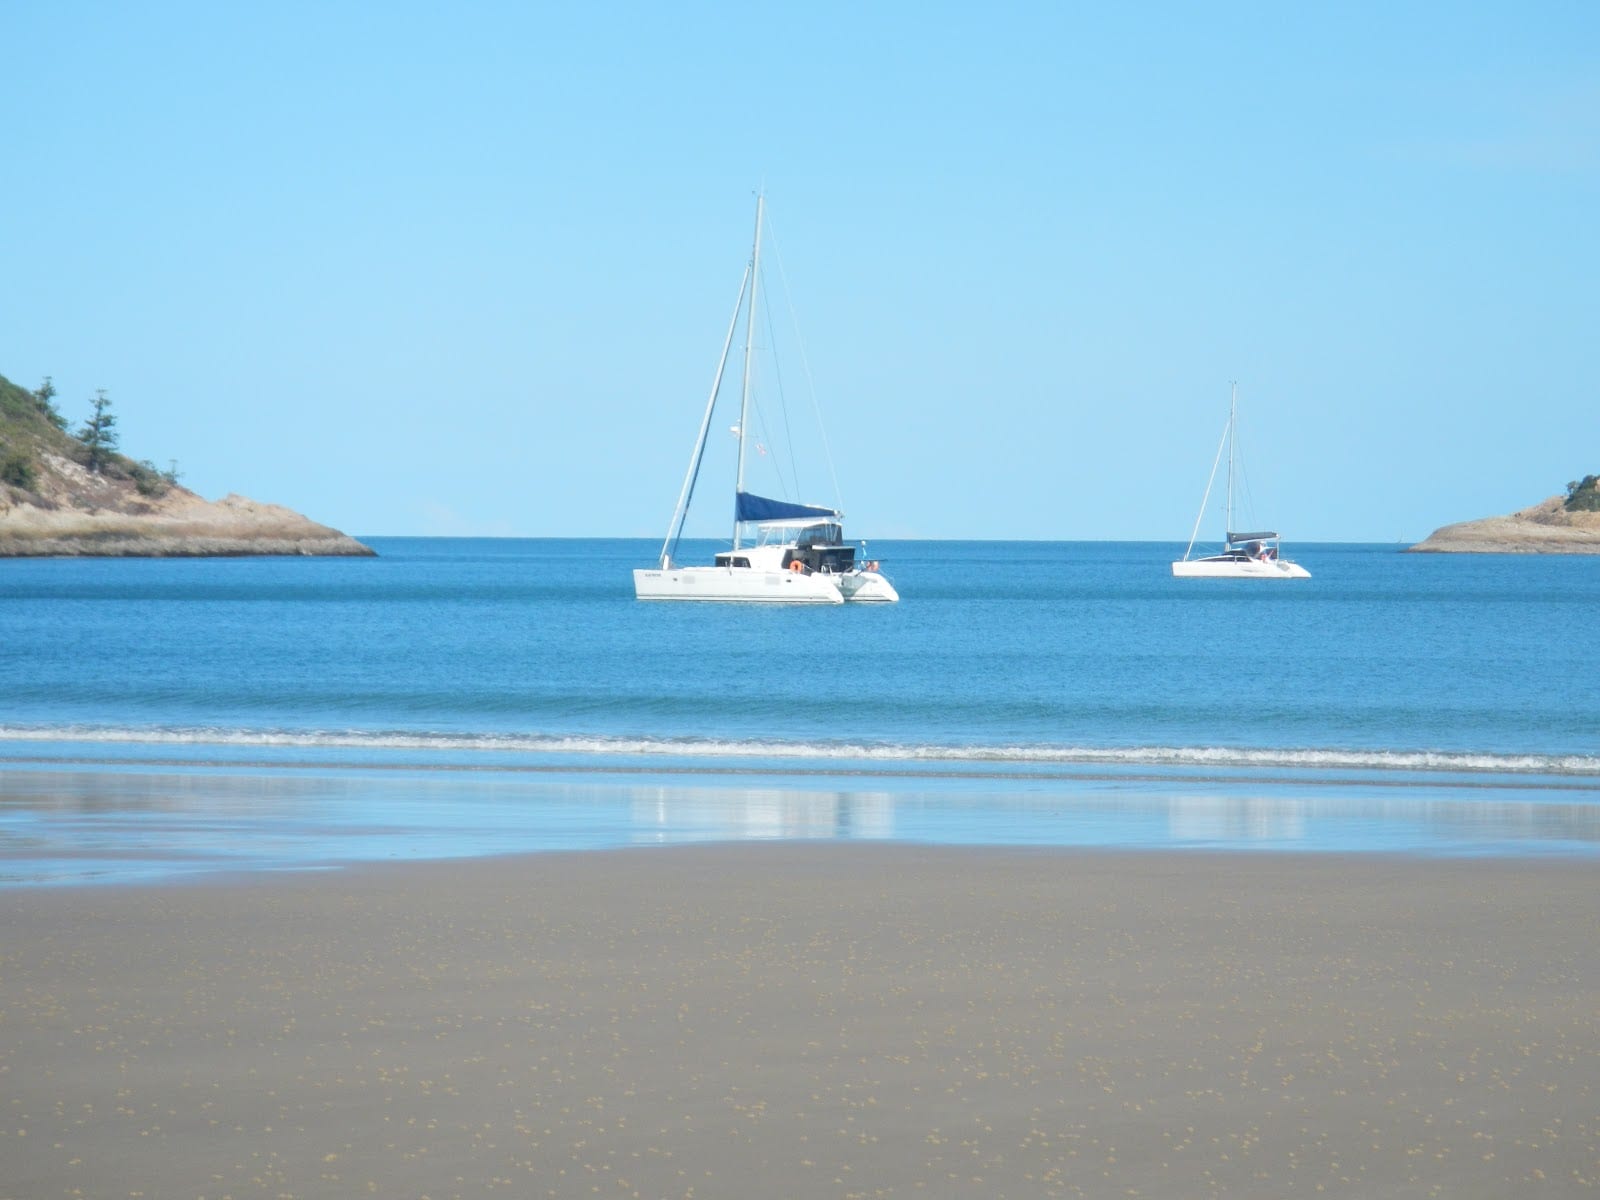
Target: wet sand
[810,1020]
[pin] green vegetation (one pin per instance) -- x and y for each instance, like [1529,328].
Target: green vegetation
[31,427]
[18,470]
[20,405]
[45,398]
[26,427]
[1583,495]
[148,479]
[99,433]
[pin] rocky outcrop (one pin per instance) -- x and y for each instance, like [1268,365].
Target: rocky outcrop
[72,511]
[1546,528]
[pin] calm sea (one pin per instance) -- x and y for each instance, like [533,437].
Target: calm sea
[480,695]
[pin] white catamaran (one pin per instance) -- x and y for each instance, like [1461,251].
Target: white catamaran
[1244,555]
[782,552]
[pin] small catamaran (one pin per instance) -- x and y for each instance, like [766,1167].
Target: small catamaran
[782,552]
[1244,555]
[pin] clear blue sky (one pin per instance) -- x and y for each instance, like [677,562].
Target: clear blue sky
[464,268]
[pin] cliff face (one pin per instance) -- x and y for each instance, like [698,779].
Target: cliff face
[1545,528]
[53,505]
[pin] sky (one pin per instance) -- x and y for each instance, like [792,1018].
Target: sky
[466,268]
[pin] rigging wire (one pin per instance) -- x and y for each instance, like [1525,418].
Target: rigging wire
[760,412]
[1206,499]
[1251,520]
[783,406]
[805,365]
[675,530]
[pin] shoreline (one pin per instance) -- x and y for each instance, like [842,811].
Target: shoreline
[113,523]
[1543,528]
[815,1019]
[107,824]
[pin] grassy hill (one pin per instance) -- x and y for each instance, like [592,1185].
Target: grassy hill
[60,495]
[34,437]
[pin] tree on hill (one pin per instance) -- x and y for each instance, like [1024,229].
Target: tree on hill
[45,397]
[99,435]
[1583,495]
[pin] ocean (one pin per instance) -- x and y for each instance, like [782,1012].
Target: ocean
[471,696]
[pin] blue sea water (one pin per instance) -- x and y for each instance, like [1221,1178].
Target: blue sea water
[1069,693]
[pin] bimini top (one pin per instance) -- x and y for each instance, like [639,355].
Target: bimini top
[751,507]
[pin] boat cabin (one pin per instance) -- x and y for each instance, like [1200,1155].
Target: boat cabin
[1261,547]
[817,546]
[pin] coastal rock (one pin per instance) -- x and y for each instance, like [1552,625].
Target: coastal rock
[1545,528]
[73,512]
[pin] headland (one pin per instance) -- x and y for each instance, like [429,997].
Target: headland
[72,495]
[1548,527]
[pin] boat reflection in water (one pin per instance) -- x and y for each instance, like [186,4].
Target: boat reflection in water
[114,826]
[695,815]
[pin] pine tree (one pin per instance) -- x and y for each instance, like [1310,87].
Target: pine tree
[45,398]
[99,435]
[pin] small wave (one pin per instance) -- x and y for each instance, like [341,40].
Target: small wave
[620,746]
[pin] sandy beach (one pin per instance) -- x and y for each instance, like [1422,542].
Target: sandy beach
[809,1020]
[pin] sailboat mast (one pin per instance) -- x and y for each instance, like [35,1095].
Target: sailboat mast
[1233,405]
[749,341]
[675,529]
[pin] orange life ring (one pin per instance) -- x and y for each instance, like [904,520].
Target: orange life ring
[796,566]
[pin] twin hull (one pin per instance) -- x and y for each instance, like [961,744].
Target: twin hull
[1203,568]
[754,586]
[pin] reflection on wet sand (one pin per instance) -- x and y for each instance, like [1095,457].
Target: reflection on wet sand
[114,825]
[686,815]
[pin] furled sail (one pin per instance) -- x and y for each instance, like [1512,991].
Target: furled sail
[759,508]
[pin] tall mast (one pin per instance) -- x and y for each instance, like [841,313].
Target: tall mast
[675,529]
[1233,404]
[749,339]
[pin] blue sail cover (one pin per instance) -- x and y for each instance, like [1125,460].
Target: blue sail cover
[751,507]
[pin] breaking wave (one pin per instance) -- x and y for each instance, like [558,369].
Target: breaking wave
[595,748]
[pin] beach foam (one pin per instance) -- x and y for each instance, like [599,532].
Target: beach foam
[868,754]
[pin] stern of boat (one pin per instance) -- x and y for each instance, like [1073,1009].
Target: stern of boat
[867,587]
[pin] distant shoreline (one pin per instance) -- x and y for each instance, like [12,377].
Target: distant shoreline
[177,525]
[116,535]
[60,497]
[1543,528]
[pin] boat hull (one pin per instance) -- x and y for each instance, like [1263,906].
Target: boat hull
[867,587]
[740,585]
[1201,568]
